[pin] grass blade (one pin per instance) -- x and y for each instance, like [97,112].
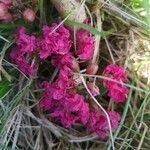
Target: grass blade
[88,28]
[1,37]
[122,119]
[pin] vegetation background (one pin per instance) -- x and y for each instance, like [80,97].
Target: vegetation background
[127,42]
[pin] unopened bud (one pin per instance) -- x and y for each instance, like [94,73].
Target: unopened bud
[7,18]
[3,9]
[29,15]
[77,80]
[75,65]
[93,89]
[92,69]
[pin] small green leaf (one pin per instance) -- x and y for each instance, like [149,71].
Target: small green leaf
[7,26]
[88,28]
[14,25]
[40,7]
[4,87]
[146,117]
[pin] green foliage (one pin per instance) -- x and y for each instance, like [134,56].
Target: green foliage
[5,86]
[146,4]
[40,7]
[136,4]
[88,28]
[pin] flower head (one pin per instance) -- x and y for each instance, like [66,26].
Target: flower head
[116,72]
[62,60]
[64,105]
[54,41]
[116,91]
[114,119]
[98,123]
[85,44]
[19,54]
[3,9]
[29,15]
[26,43]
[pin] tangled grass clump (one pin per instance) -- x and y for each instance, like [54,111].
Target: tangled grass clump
[77,83]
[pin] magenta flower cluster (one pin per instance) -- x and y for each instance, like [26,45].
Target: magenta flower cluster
[25,46]
[54,42]
[85,44]
[60,98]
[98,123]
[65,105]
[116,91]
[63,102]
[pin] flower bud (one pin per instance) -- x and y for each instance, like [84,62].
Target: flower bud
[7,2]
[77,80]
[3,9]
[75,65]
[92,69]
[93,88]
[29,15]
[7,18]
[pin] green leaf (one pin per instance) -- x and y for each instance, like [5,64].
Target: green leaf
[4,87]
[146,4]
[7,26]
[146,117]
[40,7]
[88,28]
[14,25]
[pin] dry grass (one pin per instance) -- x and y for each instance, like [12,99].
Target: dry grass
[23,124]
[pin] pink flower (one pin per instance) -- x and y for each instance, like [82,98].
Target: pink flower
[115,72]
[93,88]
[70,110]
[54,41]
[63,60]
[3,9]
[20,59]
[66,118]
[51,96]
[64,80]
[84,113]
[20,53]
[63,103]
[85,44]
[116,91]
[76,103]
[98,123]
[65,106]
[92,69]
[26,43]
[45,102]
[7,18]
[29,15]
[7,2]
[114,118]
